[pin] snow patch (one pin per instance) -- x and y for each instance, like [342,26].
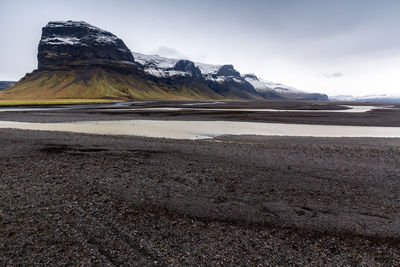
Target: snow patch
[59,40]
[70,23]
[165,73]
[163,63]
[105,39]
[155,61]
[208,69]
[101,36]
[218,79]
[262,85]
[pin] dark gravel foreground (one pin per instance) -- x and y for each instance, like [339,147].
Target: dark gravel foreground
[74,199]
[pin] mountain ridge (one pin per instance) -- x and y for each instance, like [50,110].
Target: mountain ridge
[164,67]
[78,60]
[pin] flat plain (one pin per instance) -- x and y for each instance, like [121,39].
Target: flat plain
[82,199]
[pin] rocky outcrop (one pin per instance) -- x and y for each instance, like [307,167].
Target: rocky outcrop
[228,70]
[188,67]
[72,43]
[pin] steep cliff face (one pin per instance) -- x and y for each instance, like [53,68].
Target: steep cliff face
[72,43]
[78,60]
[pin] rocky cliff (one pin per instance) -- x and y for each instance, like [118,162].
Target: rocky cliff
[78,60]
[72,43]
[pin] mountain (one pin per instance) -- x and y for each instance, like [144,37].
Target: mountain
[6,84]
[163,67]
[78,60]
[280,91]
[384,98]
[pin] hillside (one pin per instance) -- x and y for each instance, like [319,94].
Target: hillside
[79,61]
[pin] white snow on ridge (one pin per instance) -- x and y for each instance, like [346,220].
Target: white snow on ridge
[68,40]
[161,67]
[219,79]
[106,39]
[237,80]
[208,69]
[165,73]
[343,98]
[262,85]
[155,61]
[158,66]
[60,40]
[57,24]
[101,36]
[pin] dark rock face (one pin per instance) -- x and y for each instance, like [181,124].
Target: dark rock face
[64,43]
[228,70]
[187,66]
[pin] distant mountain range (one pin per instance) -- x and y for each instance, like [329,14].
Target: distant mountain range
[78,60]
[384,98]
[163,67]
[6,84]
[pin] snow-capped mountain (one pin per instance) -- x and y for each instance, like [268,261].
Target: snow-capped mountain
[158,66]
[167,67]
[389,98]
[78,60]
[64,42]
[262,85]
[163,67]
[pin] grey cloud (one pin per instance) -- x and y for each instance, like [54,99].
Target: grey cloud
[165,51]
[288,41]
[333,75]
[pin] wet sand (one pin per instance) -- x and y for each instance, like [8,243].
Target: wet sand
[180,129]
[71,198]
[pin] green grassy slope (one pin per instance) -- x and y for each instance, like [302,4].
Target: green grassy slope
[98,83]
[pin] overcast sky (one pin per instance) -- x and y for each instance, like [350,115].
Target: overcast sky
[333,47]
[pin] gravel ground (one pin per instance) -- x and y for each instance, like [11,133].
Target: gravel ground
[378,117]
[74,199]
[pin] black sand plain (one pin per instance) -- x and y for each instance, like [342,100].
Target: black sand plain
[77,199]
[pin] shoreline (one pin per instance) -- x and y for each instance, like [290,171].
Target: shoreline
[180,129]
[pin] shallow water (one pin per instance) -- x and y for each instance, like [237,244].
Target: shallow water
[205,129]
[124,106]
[351,109]
[204,103]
